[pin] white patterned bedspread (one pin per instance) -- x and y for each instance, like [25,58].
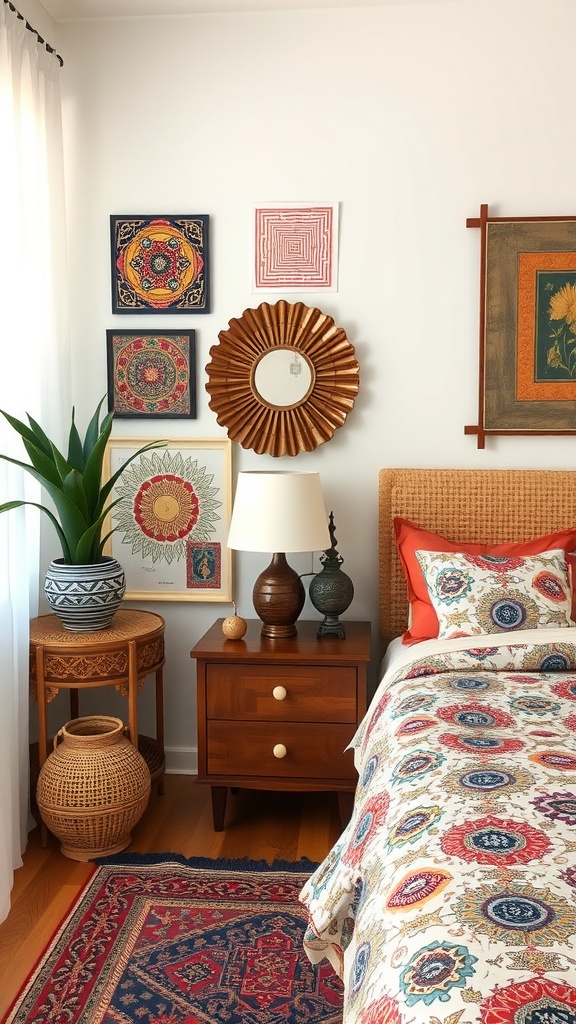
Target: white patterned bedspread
[450,898]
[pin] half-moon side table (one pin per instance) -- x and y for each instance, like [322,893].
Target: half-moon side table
[121,656]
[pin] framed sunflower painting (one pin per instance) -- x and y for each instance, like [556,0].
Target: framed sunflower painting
[160,263]
[171,519]
[527,365]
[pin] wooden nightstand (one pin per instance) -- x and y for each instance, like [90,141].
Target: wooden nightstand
[278,714]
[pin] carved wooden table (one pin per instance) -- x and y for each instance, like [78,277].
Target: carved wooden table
[121,656]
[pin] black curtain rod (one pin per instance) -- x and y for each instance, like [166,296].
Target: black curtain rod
[37,34]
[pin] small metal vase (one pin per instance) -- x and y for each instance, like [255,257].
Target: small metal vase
[331,590]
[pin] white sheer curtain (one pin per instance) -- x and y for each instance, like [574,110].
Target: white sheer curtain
[34,377]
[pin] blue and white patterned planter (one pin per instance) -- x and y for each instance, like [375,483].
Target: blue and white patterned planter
[85,597]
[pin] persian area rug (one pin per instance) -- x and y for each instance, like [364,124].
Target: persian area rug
[165,940]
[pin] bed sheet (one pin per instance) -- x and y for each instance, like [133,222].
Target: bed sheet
[450,898]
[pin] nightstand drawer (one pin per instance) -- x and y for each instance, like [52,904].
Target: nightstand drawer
[281,693]
[312,751]
[304,692]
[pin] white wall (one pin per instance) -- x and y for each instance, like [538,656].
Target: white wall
[410,116]
[38,16]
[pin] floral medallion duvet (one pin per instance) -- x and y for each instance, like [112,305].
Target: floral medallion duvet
[450,898]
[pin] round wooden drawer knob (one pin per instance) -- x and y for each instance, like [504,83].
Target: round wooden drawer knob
[279,693]
[279,750]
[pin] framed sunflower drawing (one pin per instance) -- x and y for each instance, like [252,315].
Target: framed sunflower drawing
[527,351]
[151,373]
[171,519]
[160,263]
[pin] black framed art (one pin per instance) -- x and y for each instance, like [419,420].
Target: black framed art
[160,263]
[151,373]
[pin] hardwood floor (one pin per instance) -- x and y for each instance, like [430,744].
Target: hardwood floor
[265,825]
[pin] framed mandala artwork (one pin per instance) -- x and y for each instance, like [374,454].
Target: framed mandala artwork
[171,519]
[151,373]
[160,264]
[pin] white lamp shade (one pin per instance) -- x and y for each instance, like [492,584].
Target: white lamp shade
[278,511]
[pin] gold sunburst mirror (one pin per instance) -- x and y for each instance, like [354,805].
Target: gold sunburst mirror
[282,378]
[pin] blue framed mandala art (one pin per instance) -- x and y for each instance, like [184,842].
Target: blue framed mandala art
[160,263]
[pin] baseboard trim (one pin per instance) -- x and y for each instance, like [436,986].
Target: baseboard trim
[181,761]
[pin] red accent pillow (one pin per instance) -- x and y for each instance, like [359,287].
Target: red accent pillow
[411,538]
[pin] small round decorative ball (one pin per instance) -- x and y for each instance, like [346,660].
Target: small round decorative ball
[234,627]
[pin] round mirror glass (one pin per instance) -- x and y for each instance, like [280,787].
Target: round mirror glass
[283,378]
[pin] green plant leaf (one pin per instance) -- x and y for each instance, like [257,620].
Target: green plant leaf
[63,467]
[74,489]
[43,478]
[42,440]
[42,463]
[107,487]
[35,436]
[88,547]
[94,429]
[105,538]
[72,521]
[8,505]
[75,452]
[93,470]
[74,484]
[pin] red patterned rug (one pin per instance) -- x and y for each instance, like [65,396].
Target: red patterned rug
[164,940]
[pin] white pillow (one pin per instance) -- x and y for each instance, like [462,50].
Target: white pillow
[473,594]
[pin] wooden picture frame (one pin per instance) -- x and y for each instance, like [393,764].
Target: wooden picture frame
[160,263]
[527,347]
[171,519]
[151,374]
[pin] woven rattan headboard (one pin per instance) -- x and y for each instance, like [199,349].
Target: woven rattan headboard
[488,505]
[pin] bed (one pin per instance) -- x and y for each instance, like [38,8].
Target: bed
[450,897]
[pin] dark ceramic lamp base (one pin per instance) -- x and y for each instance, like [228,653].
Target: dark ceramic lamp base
[278,598]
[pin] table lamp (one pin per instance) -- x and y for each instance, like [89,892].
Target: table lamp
[278,512]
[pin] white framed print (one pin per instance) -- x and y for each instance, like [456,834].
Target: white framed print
[170,518]
[295,247]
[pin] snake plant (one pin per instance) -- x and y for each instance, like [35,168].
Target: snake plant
[74,483]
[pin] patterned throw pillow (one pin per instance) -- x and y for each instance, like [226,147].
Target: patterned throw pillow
[411,538]
[474,594]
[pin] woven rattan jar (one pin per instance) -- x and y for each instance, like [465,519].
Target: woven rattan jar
[93,788]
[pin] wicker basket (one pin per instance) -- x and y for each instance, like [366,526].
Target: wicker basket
[93,788]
